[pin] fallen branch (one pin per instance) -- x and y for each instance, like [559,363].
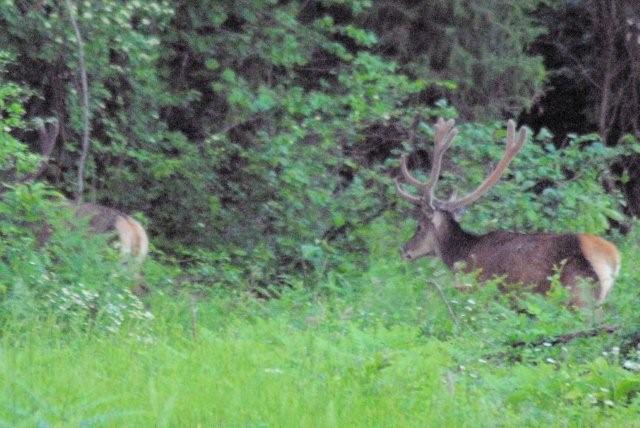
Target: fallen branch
[568,337]
[555,340]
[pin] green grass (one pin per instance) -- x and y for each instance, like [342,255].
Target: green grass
[269,372]
[377,348]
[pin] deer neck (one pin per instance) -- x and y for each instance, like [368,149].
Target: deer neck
[454,243]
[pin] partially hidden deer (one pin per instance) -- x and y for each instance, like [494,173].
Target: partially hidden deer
[134,243]
[524,258]
[133,240]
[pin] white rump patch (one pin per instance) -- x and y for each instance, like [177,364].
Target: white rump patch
[607,276]
[126,236]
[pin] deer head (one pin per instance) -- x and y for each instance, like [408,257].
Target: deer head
[437,223]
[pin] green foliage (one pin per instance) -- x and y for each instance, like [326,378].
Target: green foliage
[548,188]
[48,269]
[15,159]
[256,136]
[561,189]
[385,342]
[266,180]
[480,46]
[121,47]
[222,122]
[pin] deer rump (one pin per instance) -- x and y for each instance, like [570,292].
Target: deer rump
[132,236]
[534,258]
[134,243]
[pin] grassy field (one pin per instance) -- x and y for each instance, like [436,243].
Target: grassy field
[383,347]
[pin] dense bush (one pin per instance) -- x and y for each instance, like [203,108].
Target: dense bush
[67,277]
[258,132]
[79,282]
[563,189]
[481,47]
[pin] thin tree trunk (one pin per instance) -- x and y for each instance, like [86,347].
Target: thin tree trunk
[84,92]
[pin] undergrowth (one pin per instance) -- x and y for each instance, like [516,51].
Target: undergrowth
[396,345]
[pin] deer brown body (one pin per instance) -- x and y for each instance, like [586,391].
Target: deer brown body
[527,258]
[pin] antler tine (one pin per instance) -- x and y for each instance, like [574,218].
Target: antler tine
[514,143]
[404,169]
[410,179]
[406,195]
[445,133]
[513,146]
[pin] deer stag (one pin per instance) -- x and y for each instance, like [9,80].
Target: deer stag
[134,243]
[527,258]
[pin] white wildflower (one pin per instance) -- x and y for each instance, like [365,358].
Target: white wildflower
[631,365]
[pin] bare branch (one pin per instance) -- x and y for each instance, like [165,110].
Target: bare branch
[568,337]
[406,195]
[555,340]
[446,302]
[48,138]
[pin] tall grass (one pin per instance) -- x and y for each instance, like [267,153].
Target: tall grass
[284,371]
[382,347]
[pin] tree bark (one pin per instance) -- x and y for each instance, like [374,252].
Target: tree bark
[84,99]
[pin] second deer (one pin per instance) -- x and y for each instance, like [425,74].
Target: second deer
[133,240]
[526,258]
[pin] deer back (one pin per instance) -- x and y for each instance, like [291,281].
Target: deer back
[529,258]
